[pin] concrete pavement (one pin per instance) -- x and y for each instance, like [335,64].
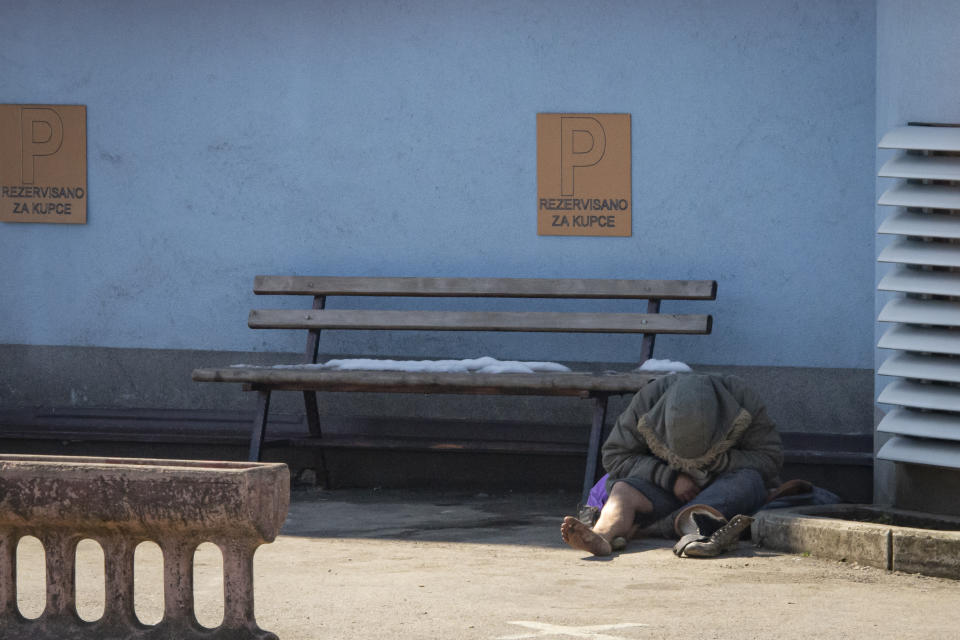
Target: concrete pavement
[431,565]
[365,564]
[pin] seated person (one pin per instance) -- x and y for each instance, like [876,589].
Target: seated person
[685,440]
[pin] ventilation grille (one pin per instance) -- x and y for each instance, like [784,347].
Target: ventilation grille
[924,317]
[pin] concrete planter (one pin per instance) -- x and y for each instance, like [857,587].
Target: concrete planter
[120,503]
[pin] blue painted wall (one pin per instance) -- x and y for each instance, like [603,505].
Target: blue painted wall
[398,138]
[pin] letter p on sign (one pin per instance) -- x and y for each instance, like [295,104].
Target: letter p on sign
[41,134]
[582,143]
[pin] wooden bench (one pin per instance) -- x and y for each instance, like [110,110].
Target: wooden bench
[596,386]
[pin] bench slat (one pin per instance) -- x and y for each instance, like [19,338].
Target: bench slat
[480,321]
[487,287]
[546,384]
[436,444]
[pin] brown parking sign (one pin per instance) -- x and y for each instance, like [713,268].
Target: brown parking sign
[43,163]
[583,174]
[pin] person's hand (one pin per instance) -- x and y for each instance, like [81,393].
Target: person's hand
[685,488]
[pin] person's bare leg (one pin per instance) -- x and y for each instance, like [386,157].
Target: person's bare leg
[616,520]
[618,514]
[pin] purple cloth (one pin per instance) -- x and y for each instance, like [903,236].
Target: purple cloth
[598,495]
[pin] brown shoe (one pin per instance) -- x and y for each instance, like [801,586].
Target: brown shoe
[695,545]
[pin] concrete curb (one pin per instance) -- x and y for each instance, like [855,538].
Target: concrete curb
[829,531]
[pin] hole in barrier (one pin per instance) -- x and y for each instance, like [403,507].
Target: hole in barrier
[90,580]
[148,583]
[31,577]
[208,585]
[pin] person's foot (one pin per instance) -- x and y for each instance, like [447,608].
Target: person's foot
[580,536]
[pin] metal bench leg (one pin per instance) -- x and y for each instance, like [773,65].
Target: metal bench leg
[259,424]
[646,347]
[593,450]
[313,426]
[313,414]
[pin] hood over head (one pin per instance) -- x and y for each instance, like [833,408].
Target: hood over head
[693,420]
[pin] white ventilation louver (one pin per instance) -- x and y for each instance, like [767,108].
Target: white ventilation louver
[925,316]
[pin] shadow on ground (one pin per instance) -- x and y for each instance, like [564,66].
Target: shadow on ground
[435,516]
[425,515]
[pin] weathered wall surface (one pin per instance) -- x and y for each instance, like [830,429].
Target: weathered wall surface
[398,138]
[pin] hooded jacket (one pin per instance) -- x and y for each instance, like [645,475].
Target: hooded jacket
[699,424]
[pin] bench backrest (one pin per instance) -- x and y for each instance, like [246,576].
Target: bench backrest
[319,288]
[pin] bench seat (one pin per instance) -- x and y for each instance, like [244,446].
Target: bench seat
[579,384]
[598,387]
